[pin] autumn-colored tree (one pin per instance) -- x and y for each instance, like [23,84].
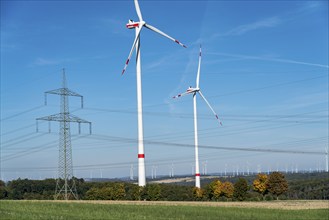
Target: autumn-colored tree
[119,191]
[240,189]
[214,189]
[227,189]
[198,193]
[277,184]
[260,184]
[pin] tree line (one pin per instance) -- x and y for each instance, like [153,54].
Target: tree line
[262,187]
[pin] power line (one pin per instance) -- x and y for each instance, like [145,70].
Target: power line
[132,140]
[241,130]
[18,129]
[18,141]
[23,112]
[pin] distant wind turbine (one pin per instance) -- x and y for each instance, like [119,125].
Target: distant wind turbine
[194,91]
[138,27]
[327,159]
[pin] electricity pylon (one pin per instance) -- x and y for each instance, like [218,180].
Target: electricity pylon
[65,184]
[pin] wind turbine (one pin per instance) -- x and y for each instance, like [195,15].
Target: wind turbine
[138,25]
[194,91]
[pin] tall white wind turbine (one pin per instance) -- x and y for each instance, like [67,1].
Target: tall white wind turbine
[194,91]
[138,25]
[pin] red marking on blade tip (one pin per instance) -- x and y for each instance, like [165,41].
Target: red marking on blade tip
[141,155]
[127,62]
[197,174]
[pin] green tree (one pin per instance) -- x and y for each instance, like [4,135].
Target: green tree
[153,192]
[240,189]
[133,192]
[277,184]
[93,194]
[3,190]
[171,192]
[106,193]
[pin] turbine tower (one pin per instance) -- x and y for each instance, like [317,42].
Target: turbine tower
[65,184]
[194,91]
[131,172]
[138,28]
[327,160]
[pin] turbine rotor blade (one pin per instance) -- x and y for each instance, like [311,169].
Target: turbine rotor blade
[138,10]
[163,34]
[199,66]
[182,94]
[210,107]
[132,49]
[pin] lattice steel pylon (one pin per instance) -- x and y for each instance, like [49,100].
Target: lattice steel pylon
[65,184]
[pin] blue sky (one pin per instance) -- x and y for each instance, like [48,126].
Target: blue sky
[264,70]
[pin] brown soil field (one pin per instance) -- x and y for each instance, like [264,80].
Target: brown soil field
[287,204]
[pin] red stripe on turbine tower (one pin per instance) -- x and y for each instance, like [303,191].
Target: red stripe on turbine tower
[197,174]
[141,155]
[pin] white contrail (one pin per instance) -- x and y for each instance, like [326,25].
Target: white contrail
[270,59]
[242,29]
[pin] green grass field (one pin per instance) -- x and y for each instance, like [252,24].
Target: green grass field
[60,210]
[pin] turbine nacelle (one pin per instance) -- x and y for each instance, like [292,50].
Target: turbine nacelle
[138,25]
[134,24]
[191,89]
[131,24]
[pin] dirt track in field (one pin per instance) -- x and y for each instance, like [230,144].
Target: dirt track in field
[287,205]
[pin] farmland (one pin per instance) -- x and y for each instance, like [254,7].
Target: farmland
[163,210]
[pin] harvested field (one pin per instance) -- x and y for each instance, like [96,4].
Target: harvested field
[286,205]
